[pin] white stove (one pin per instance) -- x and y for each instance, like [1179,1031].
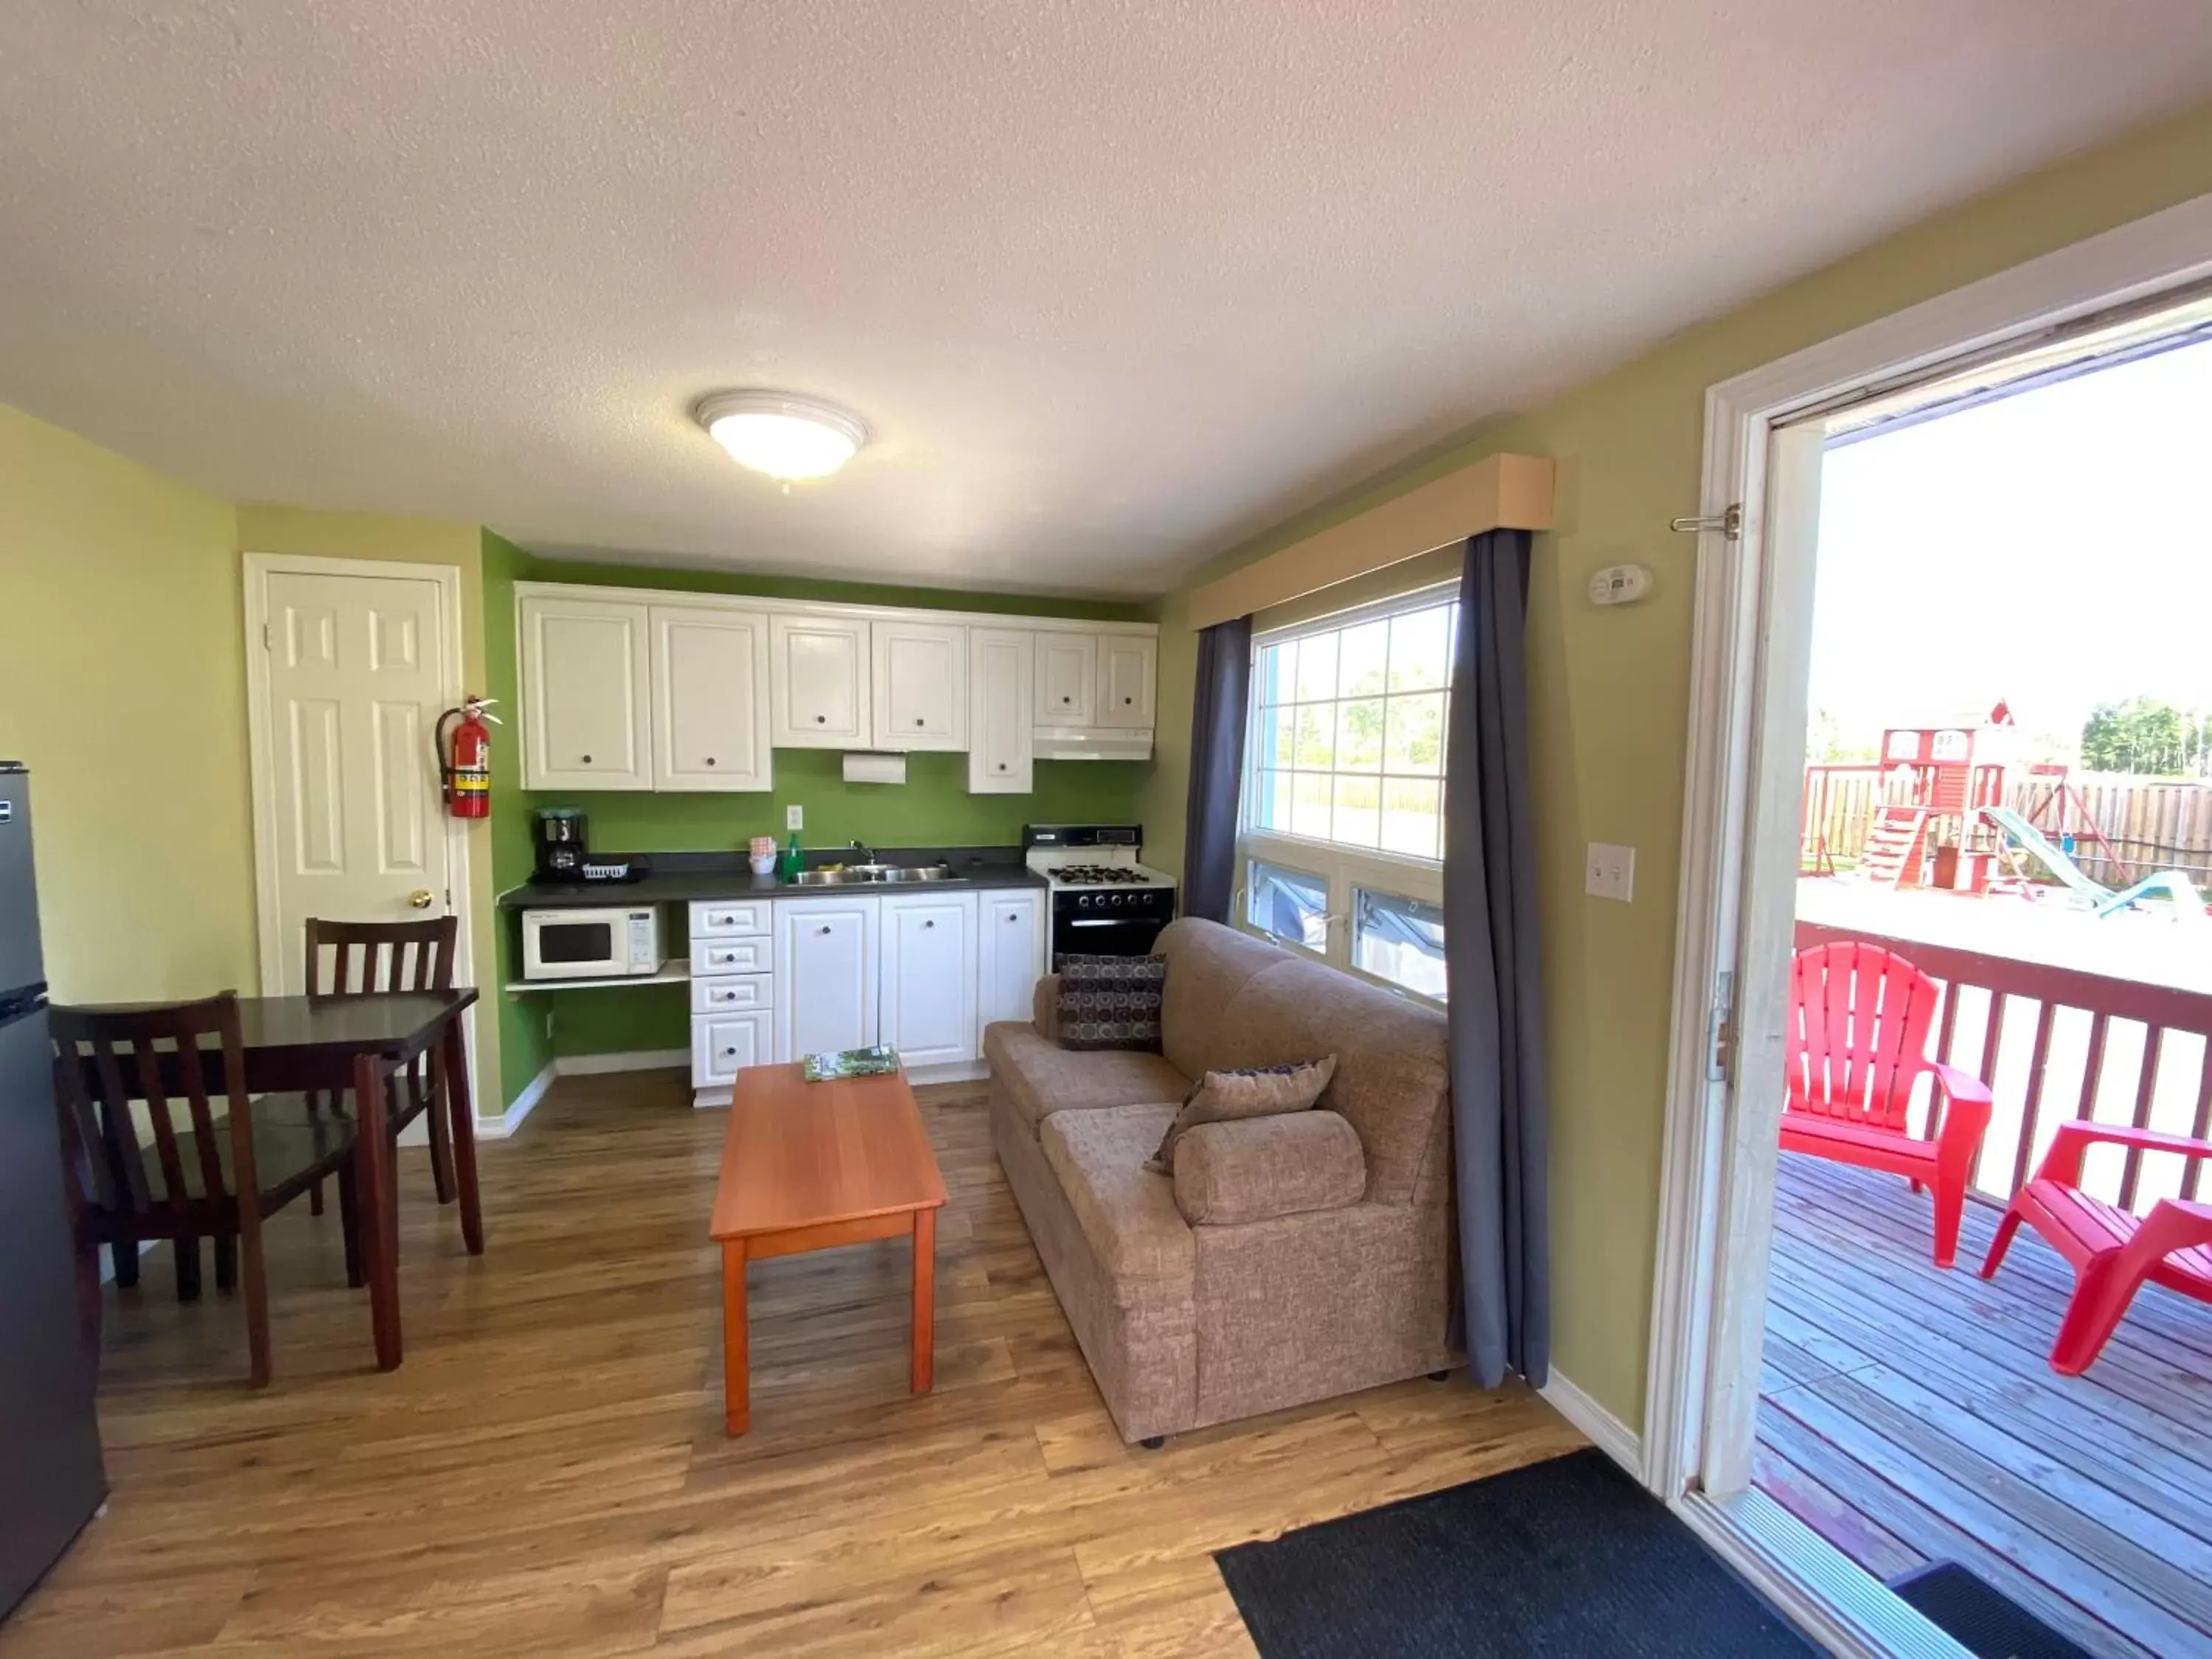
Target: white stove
[1105,901]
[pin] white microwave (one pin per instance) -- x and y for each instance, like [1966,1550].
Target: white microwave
[618,941]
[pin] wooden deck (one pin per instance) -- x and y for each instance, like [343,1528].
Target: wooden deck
[1907,1415]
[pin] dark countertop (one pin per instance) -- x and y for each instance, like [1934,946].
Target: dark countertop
[686,878]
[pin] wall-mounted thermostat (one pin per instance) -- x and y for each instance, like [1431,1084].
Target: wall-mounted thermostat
[1619,584]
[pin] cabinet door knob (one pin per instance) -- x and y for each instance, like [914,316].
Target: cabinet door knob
[1063,700]
[825,930]
[1002,766]
[710,759]
[929,922]
[822,720]
[587,760]
[731,1052]
[917,719]
[1125,700]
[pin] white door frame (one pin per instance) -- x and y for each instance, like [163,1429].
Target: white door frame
[1716,1208]
[258,568]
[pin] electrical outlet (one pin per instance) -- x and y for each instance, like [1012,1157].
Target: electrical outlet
[794,818]
[1611,871]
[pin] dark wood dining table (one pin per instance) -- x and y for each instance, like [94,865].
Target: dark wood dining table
[338,1043]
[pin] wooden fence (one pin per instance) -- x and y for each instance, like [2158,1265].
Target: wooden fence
[2148,824]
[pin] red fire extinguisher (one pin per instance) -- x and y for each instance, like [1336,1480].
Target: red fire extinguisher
[465,766]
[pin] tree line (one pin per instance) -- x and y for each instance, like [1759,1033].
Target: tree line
[2148,738]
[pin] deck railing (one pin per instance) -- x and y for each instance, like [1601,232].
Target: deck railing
[2056,1042]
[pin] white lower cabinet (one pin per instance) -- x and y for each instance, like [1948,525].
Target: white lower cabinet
[825,975]
[927,981]
[922,971]
[1009,957]
[722,1045]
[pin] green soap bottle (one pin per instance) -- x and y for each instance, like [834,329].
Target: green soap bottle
[794,860]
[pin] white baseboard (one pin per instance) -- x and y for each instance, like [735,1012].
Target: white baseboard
[957,1071]
[638,1060]
[1606,1432]
[500,1127]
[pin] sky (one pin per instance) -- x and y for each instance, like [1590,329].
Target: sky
[2053,548]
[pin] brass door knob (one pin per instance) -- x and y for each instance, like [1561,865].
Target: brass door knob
[421,898]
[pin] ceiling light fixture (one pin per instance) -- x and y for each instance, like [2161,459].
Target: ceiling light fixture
[781,434]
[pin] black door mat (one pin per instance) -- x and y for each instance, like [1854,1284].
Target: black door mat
[1562,1559]
[1979,1617]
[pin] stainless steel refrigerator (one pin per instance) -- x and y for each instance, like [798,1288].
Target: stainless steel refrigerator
[51,1476]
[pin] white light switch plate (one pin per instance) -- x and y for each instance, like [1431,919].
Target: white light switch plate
[1611,872]
[794,818]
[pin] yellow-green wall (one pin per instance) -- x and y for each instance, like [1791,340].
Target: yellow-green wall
[1609,693]
[120,686]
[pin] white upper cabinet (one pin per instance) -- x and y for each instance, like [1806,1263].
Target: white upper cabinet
[1066,678]
[920,673]
[818,694]
[586,718]
[927,989]
[710,699]
[1128,663]
[1010,956]
[1001,692]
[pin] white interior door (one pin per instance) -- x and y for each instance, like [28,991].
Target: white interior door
[357,669]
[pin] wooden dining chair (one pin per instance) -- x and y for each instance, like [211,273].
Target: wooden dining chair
[185,1175]
[383,958]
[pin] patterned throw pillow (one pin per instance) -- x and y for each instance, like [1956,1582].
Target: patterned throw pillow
[1111,1002]
[1246,1091]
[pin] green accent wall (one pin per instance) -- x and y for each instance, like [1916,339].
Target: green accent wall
[932,808]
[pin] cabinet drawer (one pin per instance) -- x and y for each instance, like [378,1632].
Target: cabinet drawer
[729,918]
[713,957]
[722,996]
[722,1045]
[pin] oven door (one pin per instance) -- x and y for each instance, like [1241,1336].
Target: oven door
[575,944]
[1074,934]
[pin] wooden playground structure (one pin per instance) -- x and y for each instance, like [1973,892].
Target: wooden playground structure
[1958,809]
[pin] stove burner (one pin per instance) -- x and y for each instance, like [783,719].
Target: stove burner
[1097,875]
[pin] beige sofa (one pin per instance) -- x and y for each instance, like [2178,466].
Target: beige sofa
[1289,1258]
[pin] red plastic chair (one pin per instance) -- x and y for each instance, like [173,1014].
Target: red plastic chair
[1858,1037]
[2114,1254]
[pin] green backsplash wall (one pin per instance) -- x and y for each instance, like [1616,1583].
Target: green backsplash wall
[932,808]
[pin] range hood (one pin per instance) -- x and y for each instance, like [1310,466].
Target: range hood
[1090,743]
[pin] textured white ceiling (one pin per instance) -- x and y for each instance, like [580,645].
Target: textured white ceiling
[1116,285]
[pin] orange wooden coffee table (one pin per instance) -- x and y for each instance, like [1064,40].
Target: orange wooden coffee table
[809,1166]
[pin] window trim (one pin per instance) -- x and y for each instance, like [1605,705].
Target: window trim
[1343,869]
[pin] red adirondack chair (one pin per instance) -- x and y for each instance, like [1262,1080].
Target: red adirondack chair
[1858,1037]
[2114,1254]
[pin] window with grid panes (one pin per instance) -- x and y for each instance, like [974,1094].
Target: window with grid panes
[1342,830]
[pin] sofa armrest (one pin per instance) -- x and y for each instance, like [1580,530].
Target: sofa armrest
[1044,1008]
[1257,1168]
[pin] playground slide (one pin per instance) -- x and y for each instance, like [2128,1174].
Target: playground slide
[2040,848]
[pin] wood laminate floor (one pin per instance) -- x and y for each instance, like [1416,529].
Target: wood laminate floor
[548,1476]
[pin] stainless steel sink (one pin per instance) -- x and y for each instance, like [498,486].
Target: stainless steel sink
[863,875]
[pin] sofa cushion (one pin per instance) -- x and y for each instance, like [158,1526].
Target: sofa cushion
[1041,1079]
[1391,1081]
[1228,1173]
[1110,1002]
[1248,1091]
[1128,1214]
[1207,964]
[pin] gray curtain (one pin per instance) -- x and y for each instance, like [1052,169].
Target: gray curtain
[1217,768]
[1502,1310]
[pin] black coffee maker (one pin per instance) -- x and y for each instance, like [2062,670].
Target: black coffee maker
[560,838]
